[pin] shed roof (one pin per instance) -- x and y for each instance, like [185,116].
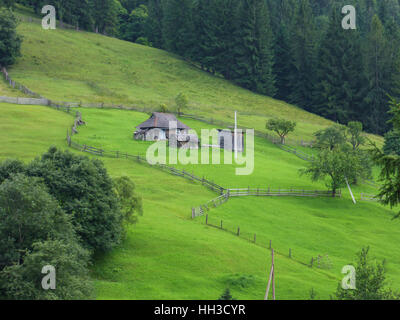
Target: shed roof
[161,120]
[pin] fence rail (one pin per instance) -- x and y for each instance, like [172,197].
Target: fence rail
[118,154]
[368,197]
[281,192]
[296,152]
[199,211]
[261,134]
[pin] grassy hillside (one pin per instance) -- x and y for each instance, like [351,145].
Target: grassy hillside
[167,255]
[66,65]
[310,227]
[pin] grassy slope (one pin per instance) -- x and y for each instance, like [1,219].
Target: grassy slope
[78,66]
[310,227]
[166,255]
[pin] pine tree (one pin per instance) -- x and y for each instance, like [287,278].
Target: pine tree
[178,27]
[303,56]
[339,88]
[282,69]
[379,75]
[253,52]
[153,28]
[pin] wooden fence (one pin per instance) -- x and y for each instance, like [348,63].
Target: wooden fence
[19,86]
[199,211]
[296,152]
[139,158]
[281,192]
[265,242]
[368,197]
[261,134]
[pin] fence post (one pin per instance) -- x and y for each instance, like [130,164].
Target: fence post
[270,244]
[193,213]
[221,224]
[206,218]
[238,231]
[290,253]
[255,238]
[312,261]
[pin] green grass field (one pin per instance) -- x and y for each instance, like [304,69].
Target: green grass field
[167,255]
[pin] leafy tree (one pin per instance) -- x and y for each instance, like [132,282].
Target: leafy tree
[181,102]
[130,202]
[330,138]
[336,165]
[282,127]
[84,190]
[135,27]
[370,281]
[355,132]
[9,167]
[28,214]
[10,41]
[23,281]
[226,295]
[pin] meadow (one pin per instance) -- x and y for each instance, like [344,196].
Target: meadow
[167,255]
[310,227]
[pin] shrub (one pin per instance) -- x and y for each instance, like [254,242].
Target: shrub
[84,190]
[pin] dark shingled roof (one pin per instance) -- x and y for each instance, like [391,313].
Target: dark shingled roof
[161,120]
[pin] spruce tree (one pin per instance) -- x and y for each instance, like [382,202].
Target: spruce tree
[154,28]
[379,76]
[339,88]
[178,27]
[254,52]
[303,56]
